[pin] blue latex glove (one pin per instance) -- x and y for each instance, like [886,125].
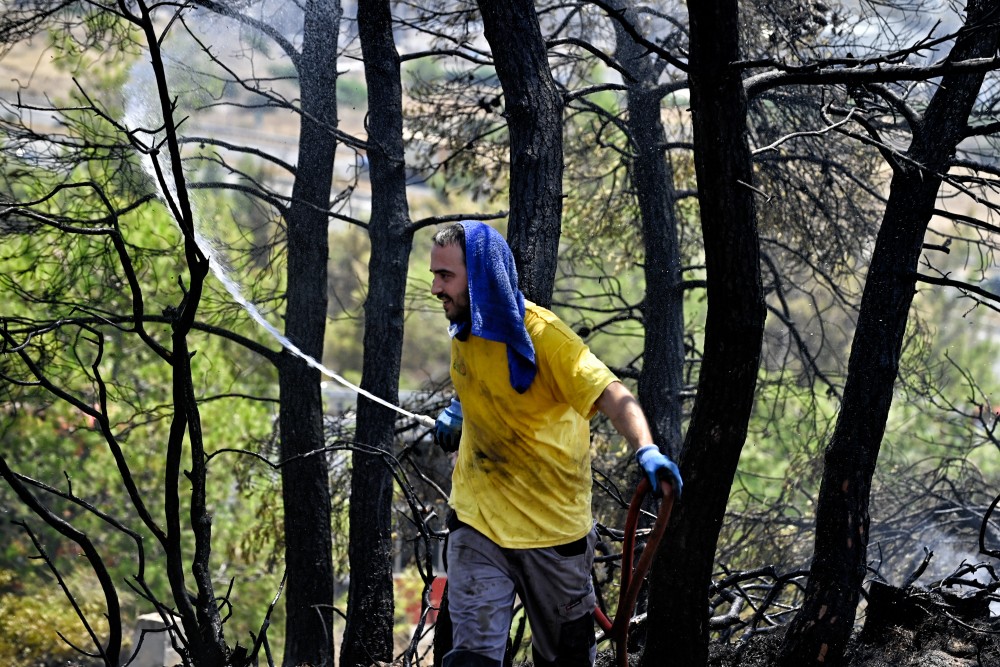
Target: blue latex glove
[658,467]
[448,427]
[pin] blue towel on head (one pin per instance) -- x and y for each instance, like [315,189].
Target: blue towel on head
[495,303]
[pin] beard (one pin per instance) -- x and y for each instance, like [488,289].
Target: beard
[456,312]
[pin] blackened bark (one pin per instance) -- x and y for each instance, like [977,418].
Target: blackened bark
[368,636]
[533,107]
[679,580]
[305,481]
[207,644]
[819,633]
[663,308]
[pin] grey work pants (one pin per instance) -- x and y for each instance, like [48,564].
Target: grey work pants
[554,585]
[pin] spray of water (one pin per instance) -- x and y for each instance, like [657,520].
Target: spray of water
[142,111]
[234,290]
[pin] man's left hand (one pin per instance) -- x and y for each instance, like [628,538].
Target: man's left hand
[658,466]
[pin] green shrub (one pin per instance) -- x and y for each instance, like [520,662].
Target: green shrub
[33,615]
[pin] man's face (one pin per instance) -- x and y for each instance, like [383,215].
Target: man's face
[451,282]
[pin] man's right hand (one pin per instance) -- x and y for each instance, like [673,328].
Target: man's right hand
[448,427]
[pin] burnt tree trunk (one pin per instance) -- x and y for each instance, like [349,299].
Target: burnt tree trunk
[819,633]
[533,108]
[199,613]
[368,636]
[662,377]
[679,580]
[305,481]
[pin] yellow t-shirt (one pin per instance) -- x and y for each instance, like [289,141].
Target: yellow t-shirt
[522,477]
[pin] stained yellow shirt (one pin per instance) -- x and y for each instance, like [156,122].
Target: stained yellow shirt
[522,477]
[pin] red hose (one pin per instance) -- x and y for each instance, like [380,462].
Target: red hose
[631,582]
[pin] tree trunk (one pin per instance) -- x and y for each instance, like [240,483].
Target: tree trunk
[679,580]
[533,108]
[819,633]
[201,615]
[305,482]
[368,636]
[662,378]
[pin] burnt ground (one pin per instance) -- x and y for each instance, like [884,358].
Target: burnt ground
[902,629]
[898,647]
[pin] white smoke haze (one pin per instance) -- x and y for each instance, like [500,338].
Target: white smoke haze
[941,536]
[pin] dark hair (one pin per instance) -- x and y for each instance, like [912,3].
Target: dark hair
[452,234]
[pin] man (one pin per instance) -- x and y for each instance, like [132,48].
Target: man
[521,524]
